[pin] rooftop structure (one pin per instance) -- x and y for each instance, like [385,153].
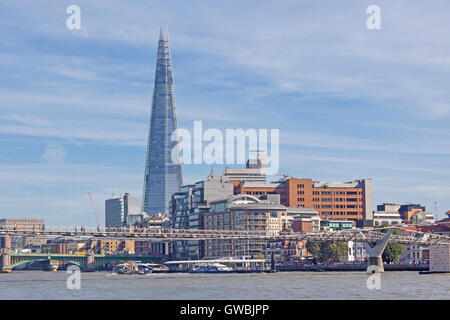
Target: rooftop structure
[394,214]
[254,171]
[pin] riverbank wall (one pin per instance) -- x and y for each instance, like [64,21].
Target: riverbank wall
[353,267]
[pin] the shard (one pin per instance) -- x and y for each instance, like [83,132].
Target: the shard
[162,176]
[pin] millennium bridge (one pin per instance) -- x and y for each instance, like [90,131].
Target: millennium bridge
[374,241]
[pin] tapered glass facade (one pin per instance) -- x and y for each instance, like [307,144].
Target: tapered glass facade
[162,176]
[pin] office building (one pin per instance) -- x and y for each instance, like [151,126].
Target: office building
[5,242]
[189,206]
[334,200]
[396,214]
[27,224]
[111,246]
[163,176]
[248,213]
[119,210]
[254,171]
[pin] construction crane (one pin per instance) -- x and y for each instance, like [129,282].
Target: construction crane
[99,228]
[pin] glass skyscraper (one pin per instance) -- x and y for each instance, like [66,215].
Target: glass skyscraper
[162,176]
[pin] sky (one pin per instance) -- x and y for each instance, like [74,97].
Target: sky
[350,103]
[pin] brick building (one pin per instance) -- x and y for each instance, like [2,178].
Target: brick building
[22,224]
[334,200]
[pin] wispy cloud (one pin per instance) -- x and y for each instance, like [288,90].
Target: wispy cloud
[54,153]
[348,102]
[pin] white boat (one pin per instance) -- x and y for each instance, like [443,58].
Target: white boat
[211,268]
[135,268]
[144,268]
[158,268]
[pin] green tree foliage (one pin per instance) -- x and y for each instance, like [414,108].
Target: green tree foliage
[332,251]
[313,248]
[392,252]
[328,251]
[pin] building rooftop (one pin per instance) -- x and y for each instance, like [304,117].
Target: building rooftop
[335,184]
[260,184]
[302,210]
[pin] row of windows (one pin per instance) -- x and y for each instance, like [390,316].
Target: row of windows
[350,193]
[349,206]
[335,199]
[343,213]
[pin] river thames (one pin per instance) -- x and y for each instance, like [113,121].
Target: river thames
[278,286]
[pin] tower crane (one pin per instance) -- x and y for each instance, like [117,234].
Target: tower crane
[99,228]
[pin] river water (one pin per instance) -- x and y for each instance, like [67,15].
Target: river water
[278,286]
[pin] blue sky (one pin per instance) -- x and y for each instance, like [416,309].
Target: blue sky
[350,103]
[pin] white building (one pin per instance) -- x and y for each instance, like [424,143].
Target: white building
[356,252]
[254,171]
[119,211]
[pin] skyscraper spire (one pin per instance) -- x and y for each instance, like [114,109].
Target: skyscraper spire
[161,35]
[162,176]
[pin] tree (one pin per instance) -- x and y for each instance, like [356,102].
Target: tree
[392,252]
[313,248]
[332,251]
[328,251]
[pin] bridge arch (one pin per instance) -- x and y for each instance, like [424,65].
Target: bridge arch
[102,263]
[77,263]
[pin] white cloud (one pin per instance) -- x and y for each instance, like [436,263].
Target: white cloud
[247,51]
[54,153]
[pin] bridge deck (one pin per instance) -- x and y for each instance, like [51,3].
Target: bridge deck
[404,236]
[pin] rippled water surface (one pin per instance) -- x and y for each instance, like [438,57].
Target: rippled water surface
[280,286]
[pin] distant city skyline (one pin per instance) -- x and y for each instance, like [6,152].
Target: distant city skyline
[350,103]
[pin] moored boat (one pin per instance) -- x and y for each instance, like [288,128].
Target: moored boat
[211,268]
[158,268]
[128,268]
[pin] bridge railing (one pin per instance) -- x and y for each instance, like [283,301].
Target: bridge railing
[404,236]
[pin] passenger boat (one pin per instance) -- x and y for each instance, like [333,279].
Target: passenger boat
[138,268]
[144,268]
[211,268]
[158,268]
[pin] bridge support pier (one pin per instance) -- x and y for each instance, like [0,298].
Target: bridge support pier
[6,263]
[90,262]
[375,264]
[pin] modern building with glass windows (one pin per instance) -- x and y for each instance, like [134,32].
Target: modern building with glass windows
[120,210]
[163,176]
